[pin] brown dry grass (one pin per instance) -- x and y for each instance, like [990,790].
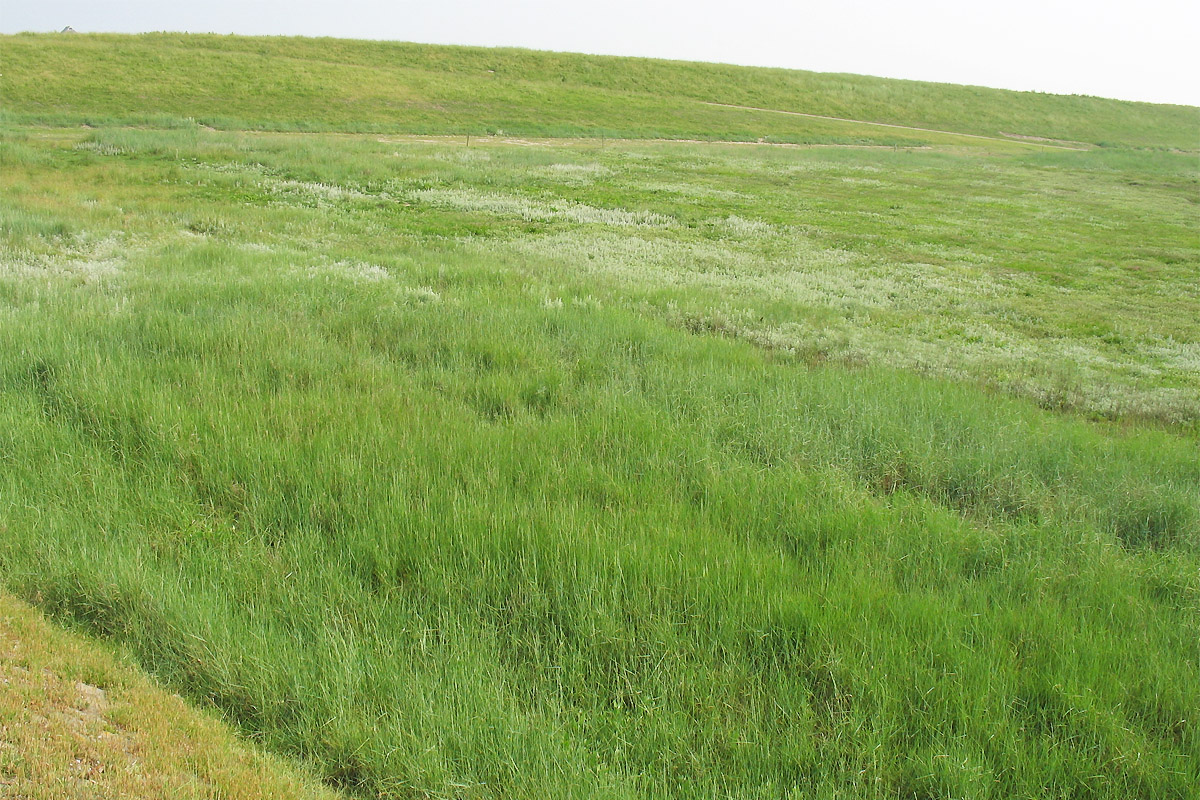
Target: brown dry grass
[77,722]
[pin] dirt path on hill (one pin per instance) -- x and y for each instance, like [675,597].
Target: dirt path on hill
[1021,139]
[569,141]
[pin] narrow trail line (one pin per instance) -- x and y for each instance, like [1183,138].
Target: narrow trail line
[570,141]
[891,125]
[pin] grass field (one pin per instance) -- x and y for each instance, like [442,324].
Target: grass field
[575,463]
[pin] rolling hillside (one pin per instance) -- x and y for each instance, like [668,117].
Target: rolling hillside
[339,85]
[618,454]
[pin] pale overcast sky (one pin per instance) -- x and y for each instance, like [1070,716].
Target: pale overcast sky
[1145,50]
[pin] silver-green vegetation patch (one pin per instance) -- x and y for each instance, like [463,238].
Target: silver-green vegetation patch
[620,469]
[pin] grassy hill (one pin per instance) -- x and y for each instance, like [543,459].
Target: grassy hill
[328,84]
[565,466]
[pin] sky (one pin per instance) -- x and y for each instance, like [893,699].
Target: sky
[1147,50]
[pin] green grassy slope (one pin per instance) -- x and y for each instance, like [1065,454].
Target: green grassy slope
[617,469]
[232,81]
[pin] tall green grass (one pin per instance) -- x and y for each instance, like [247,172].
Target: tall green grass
[596,555]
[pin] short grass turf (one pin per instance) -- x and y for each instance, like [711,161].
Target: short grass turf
[622,469]
[280,83]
